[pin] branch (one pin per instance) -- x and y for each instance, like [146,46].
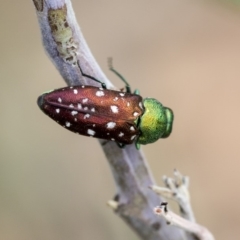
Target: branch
[177,189]
[198,231]
[65,45]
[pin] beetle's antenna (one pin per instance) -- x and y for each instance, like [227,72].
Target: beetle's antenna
[88,76]
[110,65]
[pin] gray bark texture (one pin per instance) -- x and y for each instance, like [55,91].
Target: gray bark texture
[65,45]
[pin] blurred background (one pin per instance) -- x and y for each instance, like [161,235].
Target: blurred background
[55,184]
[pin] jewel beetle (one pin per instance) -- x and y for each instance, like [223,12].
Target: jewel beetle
[120,116]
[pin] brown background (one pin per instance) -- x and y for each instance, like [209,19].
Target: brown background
[54,184]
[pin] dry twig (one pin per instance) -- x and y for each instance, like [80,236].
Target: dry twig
[65,45]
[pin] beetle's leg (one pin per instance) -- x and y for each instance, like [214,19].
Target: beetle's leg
[127,86]
[137,92]
[93,78]
[138,145]
[121,145]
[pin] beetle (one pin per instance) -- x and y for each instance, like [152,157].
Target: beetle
[120,116]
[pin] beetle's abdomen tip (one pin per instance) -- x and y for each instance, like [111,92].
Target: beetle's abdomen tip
[40,101]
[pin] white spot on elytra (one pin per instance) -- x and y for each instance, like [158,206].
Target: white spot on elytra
[71,87]
[75,91]
[74,113]
[71,106]
[84,100]
[99,93]
[132,128]
[135,114]
[90,132]
[68,124]
[93,109]
[121,94]
[120,134]
[115,99]
[94,125]
[114,109]
[111,125]
[85,108]
[57,110]
[79,106]
[128,104]
[86,116]
[140,105]
[133,137]
[83,86]
[59,100]
[75,119]
[112,139]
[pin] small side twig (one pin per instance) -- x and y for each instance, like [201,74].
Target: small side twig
[177,189]
[199,231]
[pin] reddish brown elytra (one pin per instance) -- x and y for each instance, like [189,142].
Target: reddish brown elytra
[118,116]
[95,112]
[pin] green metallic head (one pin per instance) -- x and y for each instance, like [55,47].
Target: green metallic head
[155,123]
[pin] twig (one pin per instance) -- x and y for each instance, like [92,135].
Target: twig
[177,189]
[65,45]
[199,231]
